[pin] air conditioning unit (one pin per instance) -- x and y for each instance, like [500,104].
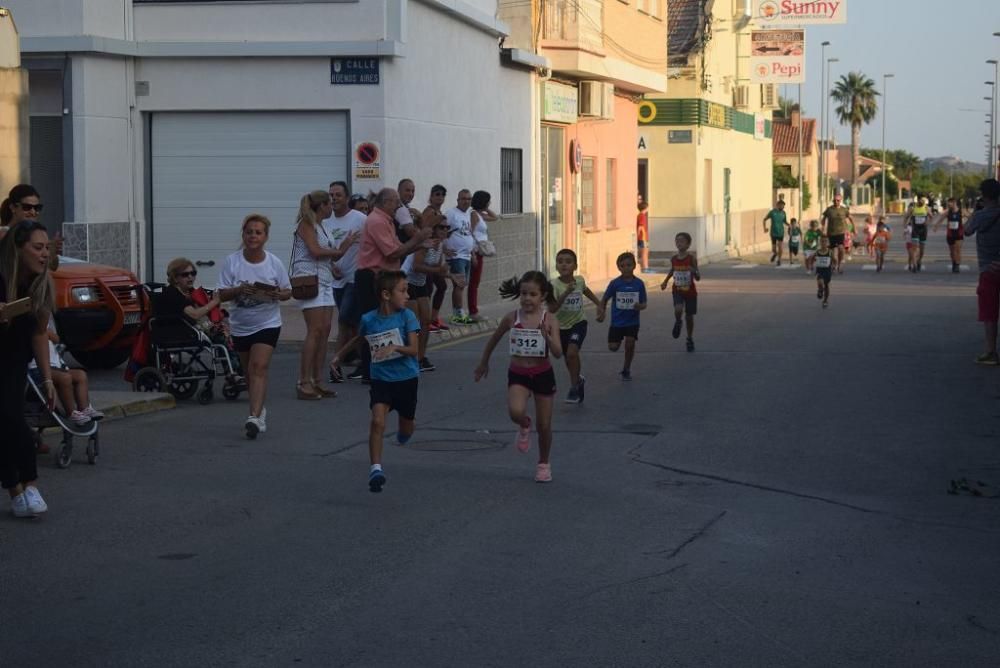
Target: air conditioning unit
[597,99]
[769,96]
[741,97]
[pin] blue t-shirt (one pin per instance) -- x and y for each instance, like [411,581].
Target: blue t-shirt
[625,293]
[381,330]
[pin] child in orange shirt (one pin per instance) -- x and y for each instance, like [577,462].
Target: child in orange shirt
[880,242]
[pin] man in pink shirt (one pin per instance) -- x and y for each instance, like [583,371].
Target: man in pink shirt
[380,250]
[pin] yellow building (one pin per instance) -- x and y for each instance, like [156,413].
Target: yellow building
[594,60]
[705,163]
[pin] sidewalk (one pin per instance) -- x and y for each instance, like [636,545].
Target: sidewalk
[118,405]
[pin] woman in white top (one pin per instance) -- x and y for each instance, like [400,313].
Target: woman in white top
[480,232]
[313,254]
[255,280]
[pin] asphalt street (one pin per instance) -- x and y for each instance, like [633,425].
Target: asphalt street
[777,498]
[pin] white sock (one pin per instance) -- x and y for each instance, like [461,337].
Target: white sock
[375,467]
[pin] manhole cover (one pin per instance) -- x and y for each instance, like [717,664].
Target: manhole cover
[455,445]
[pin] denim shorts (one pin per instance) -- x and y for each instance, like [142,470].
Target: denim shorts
[458,266]
[347,305]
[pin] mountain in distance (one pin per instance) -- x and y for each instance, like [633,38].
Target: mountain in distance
[947,163]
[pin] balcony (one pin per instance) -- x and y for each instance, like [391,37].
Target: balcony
[573,24]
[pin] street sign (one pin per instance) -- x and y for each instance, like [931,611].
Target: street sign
[367,161]
[354,71]
[679,136]
[783,13]
[777,56]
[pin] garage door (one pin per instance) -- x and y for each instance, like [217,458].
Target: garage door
[209,170]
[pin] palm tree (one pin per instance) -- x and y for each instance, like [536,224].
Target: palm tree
[856,105]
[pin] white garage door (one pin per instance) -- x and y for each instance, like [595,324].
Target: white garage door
[209,170]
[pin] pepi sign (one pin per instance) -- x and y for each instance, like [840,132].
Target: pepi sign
[777,56]
[779,13]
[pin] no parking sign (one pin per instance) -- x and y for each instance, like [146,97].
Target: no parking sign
[367,161]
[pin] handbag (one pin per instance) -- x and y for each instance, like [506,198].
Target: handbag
[486,248]
[305,287]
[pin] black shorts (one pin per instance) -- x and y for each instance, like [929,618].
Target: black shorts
[953,236]
[576,335]
[689,302]
[776,238]
[825,275]
[418,291]
[399,396]
[920,233]
[541,382]
[836,240]
[267,337]
[793,248]
[616,334]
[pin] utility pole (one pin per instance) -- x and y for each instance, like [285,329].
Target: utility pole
[885,105]
[800,151]
[822,127]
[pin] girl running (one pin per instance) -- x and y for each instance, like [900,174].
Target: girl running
[533,336]
[569,291]
[870,236]
[391,331]
[794,241]
[955,233]
[421,268]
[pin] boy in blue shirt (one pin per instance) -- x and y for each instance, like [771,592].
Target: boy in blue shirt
[392,334]
[627,295]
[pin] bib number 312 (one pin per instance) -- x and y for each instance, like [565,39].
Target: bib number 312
[527,342]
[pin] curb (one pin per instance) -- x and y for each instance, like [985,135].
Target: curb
[116,407]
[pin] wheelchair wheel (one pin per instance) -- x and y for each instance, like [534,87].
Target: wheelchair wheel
[231,391]
[183,389]
[206,395]
[64,452]
[93,450]
[149,379]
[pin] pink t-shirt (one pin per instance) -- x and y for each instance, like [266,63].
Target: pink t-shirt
[378,240]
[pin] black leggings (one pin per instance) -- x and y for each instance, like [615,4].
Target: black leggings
[17,441]
[440,288]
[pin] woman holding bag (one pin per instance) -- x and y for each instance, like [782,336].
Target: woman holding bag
[311,274]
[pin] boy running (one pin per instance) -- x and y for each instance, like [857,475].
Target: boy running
[629,295]
[684,271]
[811,245]
[569,291]
[778,218]
[794,241]
[824,270]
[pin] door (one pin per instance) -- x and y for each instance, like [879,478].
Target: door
[726,197]
[209,170]
[553,192]
[643,180]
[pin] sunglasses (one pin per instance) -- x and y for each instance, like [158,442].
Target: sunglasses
[30,207]
[188,274]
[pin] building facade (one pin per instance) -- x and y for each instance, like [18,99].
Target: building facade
[14,154]
[794,137]
[164,123]
[597,58]
[705,163]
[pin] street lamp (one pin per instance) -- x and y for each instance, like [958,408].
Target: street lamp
[822,127]
[885,104]
[827,98]
[993,112]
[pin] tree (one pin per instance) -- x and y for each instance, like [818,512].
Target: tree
[856,106]
[781,176]
[785,107]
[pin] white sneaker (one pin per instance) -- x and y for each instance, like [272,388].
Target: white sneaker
[252,427]
[19,506]
[79,418]
[93,413]
[36,504]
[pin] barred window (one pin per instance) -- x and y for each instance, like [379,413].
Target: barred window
[510,181]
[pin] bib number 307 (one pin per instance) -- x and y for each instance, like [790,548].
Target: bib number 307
[626,301]
[527,342]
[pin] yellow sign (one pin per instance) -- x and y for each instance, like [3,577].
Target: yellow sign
[716,115]
[647,112]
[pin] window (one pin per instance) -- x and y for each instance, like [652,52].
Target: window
[588,196]
[610,178]
[510,181]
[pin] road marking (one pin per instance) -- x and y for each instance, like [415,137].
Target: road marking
[744,266]
[455,342]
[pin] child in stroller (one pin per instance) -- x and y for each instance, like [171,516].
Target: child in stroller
[70,384]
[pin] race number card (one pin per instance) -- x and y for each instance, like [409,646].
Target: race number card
[382,340]
[823,261]
[573,302]
[682,280]
[527,342]
[626,301]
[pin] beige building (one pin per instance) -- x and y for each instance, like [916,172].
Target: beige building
[594,60]
[705,163]
[787,134]
[13,108]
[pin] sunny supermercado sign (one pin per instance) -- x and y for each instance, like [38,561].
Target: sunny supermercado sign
[782,13]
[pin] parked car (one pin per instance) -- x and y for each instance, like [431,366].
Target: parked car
[99,311]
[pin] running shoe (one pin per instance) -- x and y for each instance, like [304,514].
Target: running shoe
[79,418]
[773,255]
[357,374]
[579,388]
[93,413]
[336,375]
[573,396]
[252,427]
[625,374]
[461,320]
[819,292]
[543,473]
[690,345]
[523,441]
[19,506]
[676,331]
[375,481]
[826,304]
[440,325]
[36,504]
[988,359]
[779,263]
[426,365]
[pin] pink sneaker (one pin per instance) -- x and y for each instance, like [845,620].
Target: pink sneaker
[523,441]
[543,473]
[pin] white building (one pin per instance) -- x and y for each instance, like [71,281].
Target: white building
[156,125]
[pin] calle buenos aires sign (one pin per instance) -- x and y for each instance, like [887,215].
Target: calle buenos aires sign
[778,13]
[777,56]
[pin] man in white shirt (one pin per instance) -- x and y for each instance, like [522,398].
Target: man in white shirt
[344,221]
[460,246]
[405,214]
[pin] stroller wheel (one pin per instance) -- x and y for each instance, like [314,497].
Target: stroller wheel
[149,380]
[64,454]
[93,450]
[206,395]
[231,391]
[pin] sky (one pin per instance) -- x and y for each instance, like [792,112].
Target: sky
[937,52]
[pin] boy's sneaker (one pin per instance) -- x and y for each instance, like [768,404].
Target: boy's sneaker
[375,481]
[573,396]
[819,292]
[19,506]
[579,388]
[523,441]
[773,255]
[357,374]
[690,345]
[36,504]
[543,473]
[625,374]
[336,374]
[252,427]
[988,359]
[427,365]
[676,331]
[93,413]
[825,304]
[79,418]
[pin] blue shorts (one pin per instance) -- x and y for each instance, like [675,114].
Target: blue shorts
[459,266]
[348,312]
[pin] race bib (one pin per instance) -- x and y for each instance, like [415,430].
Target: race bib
[527,342]
[573,302]
[823,261]
[382,340]
[682,280]
[626,301]
[795,238]
[953,224]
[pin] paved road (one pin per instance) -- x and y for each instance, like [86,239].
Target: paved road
[776,499]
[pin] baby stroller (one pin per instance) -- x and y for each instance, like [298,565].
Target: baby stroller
[40,418]
[176,356]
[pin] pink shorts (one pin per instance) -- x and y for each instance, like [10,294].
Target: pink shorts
[989,296]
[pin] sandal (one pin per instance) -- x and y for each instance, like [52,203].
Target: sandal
[304,394]
[323,391]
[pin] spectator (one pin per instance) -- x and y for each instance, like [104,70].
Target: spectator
[432,216]
[345,221]
[985,224]
[460,245]
[24,203]
[642,234]
[483,248]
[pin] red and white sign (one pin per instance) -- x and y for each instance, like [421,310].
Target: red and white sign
[778,56]
[367,161]
[781,13]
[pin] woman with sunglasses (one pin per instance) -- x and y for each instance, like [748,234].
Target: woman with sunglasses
[24,259]
[24,203]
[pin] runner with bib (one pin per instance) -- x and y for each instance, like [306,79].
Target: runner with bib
[824,270]
[836,218]
[778,219]
[955,233]
[532,337]
[627,295]
[684,272]
[569,291]
[917,216]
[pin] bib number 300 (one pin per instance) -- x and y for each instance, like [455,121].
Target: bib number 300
[527,342]
[626,301]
